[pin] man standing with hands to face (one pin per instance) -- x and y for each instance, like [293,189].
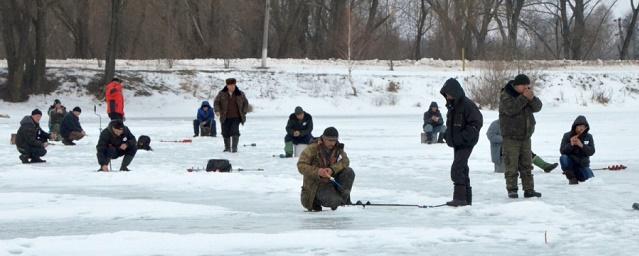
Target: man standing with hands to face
[517,122]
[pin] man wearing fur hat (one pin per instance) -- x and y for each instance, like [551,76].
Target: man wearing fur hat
[31,140]
[328,179]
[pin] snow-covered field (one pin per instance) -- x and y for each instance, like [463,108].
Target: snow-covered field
[64,207]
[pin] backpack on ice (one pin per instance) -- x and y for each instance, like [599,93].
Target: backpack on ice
[144,142]
[218,165]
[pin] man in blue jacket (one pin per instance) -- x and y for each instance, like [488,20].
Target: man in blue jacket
[70,129]
[205,120]
[577,146]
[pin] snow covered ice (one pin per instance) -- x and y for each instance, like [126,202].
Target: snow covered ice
[64,207]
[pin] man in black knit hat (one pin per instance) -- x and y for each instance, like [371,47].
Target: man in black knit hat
[31,140]
[115,141]
[328,179]
[517,124]
[71,129]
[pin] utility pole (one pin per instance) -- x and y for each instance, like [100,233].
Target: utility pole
[265,36]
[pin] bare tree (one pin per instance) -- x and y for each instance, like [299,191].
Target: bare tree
[629,30]
[75,16]
[17,25]
[117,8]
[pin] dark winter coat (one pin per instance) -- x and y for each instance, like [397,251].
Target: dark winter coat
[30,135]
[70,123]
[54,116]
[108,139]
[311,160]
[516,117]
[463,119]
[305,127]
[581,156]
[428,115]
[494,136]
[205,116]
[222,100]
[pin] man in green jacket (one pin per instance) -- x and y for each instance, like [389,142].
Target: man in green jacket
[516,107]
[327,178]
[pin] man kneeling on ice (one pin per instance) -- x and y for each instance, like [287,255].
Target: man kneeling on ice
[115,141]
[327,178]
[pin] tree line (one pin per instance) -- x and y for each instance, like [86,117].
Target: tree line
[34,30]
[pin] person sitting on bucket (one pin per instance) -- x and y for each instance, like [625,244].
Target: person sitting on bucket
[205,120]
[328,179]
[495,138]
[577,146]
[434,124]
[298,131]
[115,141]
[31,140]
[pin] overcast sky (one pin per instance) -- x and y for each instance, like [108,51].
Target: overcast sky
[622,7]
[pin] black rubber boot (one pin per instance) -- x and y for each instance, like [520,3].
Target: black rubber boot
[469,195]
[570,175]
[429,138]
[459,196]
[24,159]
[440,138]
[227,144]
[235,140]
[513,194]
[531,193]
[125,163]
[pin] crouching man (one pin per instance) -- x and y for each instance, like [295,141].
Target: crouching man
[327,178]
[31,140]
[116,141]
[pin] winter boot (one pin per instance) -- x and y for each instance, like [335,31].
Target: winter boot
[125,163]
[235,140]
[440,138]
[459,196]
[24,159]
[429,138]
[288,149]
[68,142]
[227,144]
[469,195]
[531,193]
[37,160]
[513,194]
[570,175]
[547,167]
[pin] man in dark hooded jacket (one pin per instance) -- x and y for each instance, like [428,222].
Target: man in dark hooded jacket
[31,140]
[434,124]
[115,141]
[464,122]
[298,131]
[577,146]
[205,119]
[516,107]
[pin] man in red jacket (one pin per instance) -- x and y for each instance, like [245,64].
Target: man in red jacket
[115,99]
